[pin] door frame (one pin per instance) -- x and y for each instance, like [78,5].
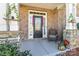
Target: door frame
[30,25]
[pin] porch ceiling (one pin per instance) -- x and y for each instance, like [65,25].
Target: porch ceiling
[45,5]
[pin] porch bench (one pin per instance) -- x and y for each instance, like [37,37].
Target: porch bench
[9,36]
[52,34]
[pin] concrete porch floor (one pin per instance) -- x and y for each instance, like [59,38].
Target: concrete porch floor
[39,47]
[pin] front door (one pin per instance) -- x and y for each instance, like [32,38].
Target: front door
[37,26]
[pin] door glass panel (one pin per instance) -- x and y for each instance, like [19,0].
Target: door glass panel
[37,23]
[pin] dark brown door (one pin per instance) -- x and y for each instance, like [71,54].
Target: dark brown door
[37,26]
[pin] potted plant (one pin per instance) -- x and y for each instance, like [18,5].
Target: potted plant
[66,43]
[61,46]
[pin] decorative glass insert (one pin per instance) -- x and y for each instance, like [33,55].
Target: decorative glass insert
[37,23]
[38,13]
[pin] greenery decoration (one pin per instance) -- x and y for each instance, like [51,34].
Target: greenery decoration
[8,11]
[13,8]
[71,18]
[10,8]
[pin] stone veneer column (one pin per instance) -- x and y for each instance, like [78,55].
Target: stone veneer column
[70,9]
[71,24]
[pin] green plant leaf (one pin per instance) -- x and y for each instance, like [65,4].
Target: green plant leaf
[12,50]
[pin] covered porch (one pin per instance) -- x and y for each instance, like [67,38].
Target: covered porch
[62,17]
[40,47]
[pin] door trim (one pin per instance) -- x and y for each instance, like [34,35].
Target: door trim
[30,24]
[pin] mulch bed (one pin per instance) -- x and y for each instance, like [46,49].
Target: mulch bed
[73,52]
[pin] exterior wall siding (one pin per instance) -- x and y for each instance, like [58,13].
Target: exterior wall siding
[61,21]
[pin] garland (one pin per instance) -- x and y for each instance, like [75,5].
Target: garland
[10,8]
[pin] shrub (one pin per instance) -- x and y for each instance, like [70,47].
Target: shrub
[12,50]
